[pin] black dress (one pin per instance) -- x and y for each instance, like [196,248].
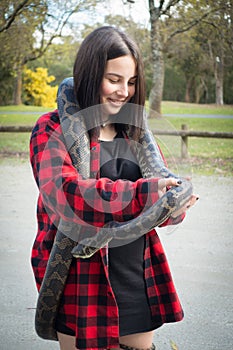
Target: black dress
[126,266]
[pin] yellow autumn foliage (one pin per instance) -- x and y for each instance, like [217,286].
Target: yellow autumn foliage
[37,90]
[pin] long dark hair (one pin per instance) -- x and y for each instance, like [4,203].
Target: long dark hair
[101,45]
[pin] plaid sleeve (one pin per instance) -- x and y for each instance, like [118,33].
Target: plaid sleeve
[173,221]
[69,196]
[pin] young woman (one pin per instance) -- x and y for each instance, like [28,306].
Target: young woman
[117,297]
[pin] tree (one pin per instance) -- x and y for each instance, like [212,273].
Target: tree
[15,40]
[59,58]
[219,31]
[186,55]
[10,11]
[211,41]
[180,17]
[34,29]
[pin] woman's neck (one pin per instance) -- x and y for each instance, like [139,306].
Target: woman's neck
[107,132]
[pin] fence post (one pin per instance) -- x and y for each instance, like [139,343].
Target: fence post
[184,142]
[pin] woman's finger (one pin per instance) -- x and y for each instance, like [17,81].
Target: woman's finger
[193,199]
[163,183]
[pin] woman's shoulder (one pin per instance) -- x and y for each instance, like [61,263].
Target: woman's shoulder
[47,122]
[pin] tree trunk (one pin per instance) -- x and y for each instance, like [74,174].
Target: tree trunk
[218,66]
[188,89]
[200,90]
[156,92]
[17,94]
[219,72]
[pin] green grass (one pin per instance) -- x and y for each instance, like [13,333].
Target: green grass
[206,155]
[197,146]
[22,115]
[17,143]
[18,119]
[23,108]
[200,124]
[169,107]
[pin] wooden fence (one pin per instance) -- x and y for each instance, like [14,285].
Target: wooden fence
[184,133]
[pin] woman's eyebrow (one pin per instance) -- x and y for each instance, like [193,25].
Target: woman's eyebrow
[120,76]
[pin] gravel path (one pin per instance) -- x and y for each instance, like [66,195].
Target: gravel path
[199,252]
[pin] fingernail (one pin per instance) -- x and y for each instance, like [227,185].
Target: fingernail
[179,182]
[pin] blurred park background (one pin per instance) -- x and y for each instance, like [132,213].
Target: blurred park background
[187,50]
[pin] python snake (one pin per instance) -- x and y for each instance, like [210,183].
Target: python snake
[75,128]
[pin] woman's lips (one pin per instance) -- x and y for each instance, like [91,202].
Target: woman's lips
[116,102]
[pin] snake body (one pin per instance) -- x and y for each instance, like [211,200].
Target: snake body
[64,249]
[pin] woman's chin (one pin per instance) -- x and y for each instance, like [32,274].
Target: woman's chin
[111,108]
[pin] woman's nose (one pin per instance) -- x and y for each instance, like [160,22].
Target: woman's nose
[123,90]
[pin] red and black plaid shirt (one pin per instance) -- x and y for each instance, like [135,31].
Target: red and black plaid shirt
[88,303]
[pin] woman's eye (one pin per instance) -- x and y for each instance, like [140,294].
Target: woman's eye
[132,82]
[113,81]
[117,81]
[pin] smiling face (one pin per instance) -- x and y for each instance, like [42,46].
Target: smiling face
[118,84]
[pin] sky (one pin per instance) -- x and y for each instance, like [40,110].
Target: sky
[138,11]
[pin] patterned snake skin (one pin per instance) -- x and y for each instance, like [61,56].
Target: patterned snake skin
[74,126]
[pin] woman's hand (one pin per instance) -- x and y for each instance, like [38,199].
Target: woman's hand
[162,188]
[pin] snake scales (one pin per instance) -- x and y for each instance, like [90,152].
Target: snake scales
[74,126]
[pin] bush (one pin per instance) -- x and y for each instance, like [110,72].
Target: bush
[37,90]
